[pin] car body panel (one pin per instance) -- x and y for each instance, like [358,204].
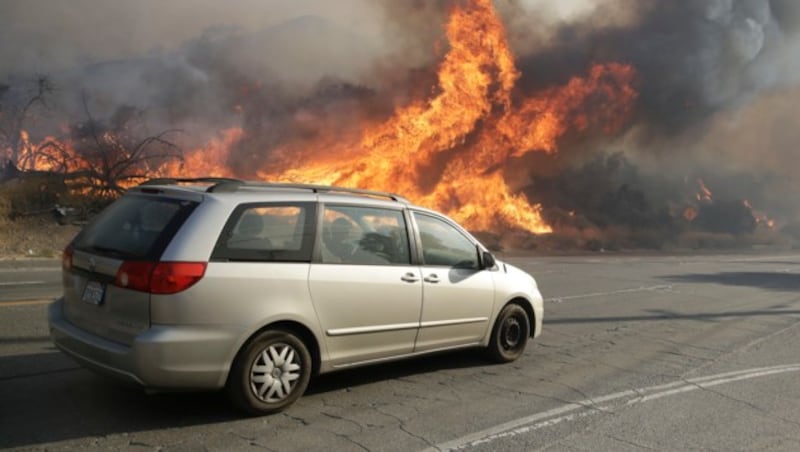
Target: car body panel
[354,314]
[118,315]
[456,308]
[517,285]
[366,311]
[162,357]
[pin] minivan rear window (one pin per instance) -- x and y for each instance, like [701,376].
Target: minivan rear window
[135,227]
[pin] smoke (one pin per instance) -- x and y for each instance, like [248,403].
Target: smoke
[196,66]
[717,81]
[49,37]
[718,91]
[694,57]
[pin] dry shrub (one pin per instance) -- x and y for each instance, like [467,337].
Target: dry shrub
[711,240]
[32,194]
[5,208]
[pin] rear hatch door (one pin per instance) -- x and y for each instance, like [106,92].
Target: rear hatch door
[136,228]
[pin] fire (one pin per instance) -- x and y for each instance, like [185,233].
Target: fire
[50,154]
[209,160]
[474,126]
[760,217]
[704,194]
[705,197]
[449,151]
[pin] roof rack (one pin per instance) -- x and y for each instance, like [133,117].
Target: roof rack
[225,184]
[188,180]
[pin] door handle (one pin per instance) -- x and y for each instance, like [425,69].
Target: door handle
[432,278]
[409,277]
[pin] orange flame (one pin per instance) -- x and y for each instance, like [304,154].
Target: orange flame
[704,194]
[761,218]
[472,125]
[50,154]
[209,160]
[450,151]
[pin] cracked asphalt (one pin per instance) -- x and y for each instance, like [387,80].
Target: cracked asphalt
[638,352]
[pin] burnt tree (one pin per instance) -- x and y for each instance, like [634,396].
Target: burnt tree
[108,156]
[15,113]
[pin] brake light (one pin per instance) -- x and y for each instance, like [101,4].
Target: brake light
[66,259]
[159,277]
[174,277]
[135,275]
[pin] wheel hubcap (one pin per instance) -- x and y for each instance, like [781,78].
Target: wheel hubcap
[512,332]
[275,373]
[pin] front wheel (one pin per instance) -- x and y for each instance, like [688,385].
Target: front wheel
[510,334]
[270,373]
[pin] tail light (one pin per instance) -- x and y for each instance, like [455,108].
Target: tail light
[159,277]
[66,259]
[135,275]
[174,277]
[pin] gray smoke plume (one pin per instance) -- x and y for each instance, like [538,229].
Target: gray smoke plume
[694,57]
[717,81]
[718,84]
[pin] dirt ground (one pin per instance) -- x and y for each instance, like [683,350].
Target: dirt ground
[34,237]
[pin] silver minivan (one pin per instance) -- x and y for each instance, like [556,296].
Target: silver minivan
[254,287]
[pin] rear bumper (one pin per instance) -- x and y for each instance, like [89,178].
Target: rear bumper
[163,357]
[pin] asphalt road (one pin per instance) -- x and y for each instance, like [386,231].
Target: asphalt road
[34,279]
[647,352]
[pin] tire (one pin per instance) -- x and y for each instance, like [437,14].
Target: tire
[510,334]
[270,373]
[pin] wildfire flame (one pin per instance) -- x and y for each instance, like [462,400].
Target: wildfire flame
[450,151]
[209,160]
[474,122]
[760,217]
[50,154]
[704,196]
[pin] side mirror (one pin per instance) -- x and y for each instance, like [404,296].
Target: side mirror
[487,260]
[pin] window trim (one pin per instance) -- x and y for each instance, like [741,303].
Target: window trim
[222,253]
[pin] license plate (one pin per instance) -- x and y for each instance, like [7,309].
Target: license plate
[93,293]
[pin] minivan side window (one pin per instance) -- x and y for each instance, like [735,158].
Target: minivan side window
[364,236]
[273,233]
[444,245]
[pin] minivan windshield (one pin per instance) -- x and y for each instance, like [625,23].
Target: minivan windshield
[135,227]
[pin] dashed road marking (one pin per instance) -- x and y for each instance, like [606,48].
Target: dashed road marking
[613,292]
[21,283]
[23,303]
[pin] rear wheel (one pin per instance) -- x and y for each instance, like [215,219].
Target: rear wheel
[510,334]
[270,373]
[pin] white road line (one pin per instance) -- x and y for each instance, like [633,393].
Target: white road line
[583,408]
[613,292]
[21,283]
[31,269]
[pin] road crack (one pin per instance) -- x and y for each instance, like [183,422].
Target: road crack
[750,405]
[629,442]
